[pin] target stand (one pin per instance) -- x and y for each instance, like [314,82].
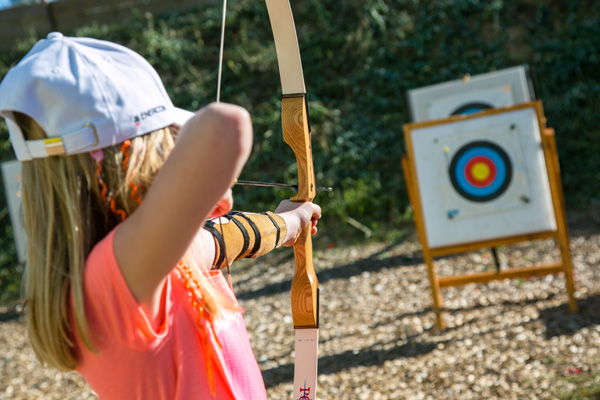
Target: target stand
[482,181]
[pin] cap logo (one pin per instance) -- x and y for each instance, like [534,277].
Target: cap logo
[147,114]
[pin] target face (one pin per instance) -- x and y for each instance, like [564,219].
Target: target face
[471,108]
[480,171]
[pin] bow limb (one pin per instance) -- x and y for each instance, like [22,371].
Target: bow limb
[296,133]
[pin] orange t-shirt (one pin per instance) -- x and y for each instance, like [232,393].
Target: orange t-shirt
[137,362]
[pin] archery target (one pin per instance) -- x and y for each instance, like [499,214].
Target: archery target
[11,174]
[467,101]
[475,182]
[471,94]
[480,171]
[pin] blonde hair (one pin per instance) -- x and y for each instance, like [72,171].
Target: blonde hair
[65,215]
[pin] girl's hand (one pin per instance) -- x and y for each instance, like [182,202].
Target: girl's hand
[297,215]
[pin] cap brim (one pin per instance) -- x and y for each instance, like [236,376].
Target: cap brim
[181,116]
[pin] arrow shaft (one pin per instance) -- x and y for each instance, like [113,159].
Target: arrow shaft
[275,184]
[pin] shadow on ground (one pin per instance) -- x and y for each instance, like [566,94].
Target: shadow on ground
[558,320]
[375,262]
[10,313]
[333,364]
[561,321]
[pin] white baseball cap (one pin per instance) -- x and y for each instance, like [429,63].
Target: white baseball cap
[86,94]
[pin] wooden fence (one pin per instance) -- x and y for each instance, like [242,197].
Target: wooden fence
[66,15]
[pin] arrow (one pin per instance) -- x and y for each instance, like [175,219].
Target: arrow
[284,185]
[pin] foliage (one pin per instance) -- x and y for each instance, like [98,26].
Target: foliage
[581,386]
[359,59]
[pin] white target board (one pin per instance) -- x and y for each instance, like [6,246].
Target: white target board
[482,177]
[11,174]
[471,94]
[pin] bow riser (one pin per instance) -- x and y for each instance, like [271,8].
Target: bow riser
[296,133]
[294,119]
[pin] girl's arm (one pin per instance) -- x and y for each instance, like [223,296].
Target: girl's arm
[210,152]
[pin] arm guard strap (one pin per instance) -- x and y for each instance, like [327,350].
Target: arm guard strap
[246,235]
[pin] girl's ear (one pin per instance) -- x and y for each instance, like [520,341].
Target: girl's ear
[223,206]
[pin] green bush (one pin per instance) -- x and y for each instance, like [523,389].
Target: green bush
[359,59]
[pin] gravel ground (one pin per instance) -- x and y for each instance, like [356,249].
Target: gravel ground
[511,339]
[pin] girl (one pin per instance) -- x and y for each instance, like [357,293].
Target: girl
[117,184]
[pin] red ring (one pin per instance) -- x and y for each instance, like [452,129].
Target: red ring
[480,183]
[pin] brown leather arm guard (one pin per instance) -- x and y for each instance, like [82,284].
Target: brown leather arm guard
[246,235]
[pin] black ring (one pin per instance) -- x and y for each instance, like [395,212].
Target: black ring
[501,153]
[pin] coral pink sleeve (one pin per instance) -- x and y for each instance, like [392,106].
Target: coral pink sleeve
[111,307]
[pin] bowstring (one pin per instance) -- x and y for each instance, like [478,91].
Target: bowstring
[221,47]
[221,50]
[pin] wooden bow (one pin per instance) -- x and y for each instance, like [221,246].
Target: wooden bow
[296,133]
